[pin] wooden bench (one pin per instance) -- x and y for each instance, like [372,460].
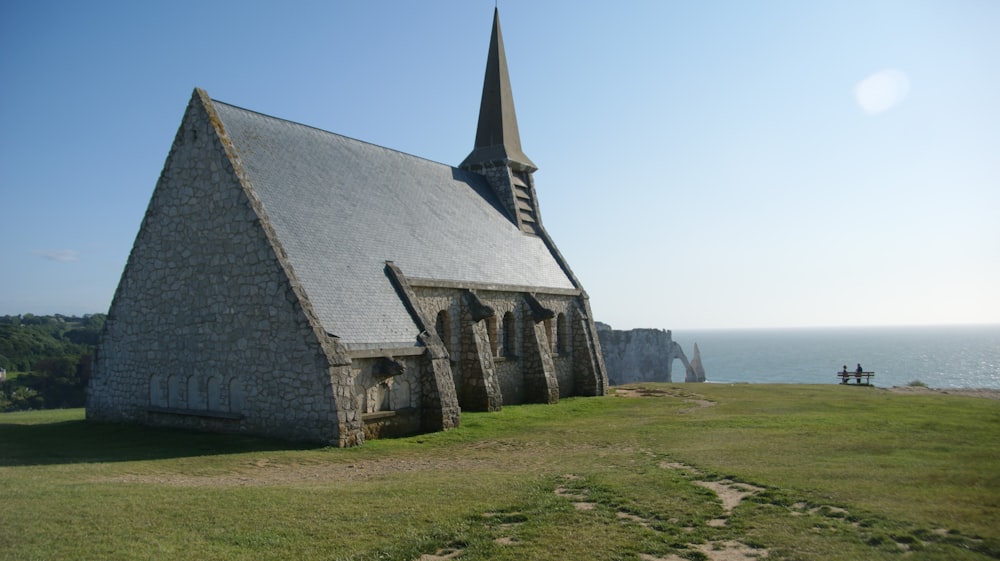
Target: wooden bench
[845,377]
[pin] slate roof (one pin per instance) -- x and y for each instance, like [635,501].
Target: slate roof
[341,208]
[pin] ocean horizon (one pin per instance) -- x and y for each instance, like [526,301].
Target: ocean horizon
[952,356]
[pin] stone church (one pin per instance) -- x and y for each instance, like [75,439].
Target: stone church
[294,283]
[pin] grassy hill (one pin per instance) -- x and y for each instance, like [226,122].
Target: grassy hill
[667,472]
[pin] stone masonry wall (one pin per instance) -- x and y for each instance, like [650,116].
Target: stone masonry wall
[509,371]
[561,352]
[540,383]
[205,330]
[391,400]
[383,392]
[480,384]
[498,176]
[590,374]
[433,301]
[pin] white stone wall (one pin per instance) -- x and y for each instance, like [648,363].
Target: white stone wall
[205,322]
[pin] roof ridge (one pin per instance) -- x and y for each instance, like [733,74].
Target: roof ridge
[351,138]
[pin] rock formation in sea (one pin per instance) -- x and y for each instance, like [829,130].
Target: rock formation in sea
[696,373]
[644,355]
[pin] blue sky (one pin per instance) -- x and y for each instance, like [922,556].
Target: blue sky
[716,164]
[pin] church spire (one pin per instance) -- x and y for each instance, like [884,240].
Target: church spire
[497,139]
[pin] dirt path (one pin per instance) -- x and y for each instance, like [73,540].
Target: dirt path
[266,471]
[696,400]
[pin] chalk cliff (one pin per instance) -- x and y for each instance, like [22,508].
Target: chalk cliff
[643,355]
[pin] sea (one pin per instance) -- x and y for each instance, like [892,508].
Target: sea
[966,356]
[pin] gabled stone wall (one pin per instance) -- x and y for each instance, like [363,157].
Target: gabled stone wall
[206,329]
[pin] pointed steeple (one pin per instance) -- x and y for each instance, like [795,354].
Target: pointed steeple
[497,139]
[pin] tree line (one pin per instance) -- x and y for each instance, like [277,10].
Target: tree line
[46,359]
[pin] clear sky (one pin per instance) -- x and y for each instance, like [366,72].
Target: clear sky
[709,164]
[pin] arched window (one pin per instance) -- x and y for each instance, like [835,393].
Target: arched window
[235,396]
[562,334]
[214,394]
[175,391]
[195,398]
[385,394]
[491,332]
[508,340]
[443,328]
[157,397]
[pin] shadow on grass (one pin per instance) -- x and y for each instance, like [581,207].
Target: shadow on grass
[79,441]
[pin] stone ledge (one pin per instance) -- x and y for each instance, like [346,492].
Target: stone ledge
[380,352]
[492,287]
[383,424]
[195,413]
[376,415]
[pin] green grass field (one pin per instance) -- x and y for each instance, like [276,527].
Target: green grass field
[824,473]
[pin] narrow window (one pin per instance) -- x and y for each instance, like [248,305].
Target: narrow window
[157,397]
[235,396]
[443,328]
[385,392]
[491,332]
[214,394]
[195,398]
[175,389]
[562,334]
[508,341]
